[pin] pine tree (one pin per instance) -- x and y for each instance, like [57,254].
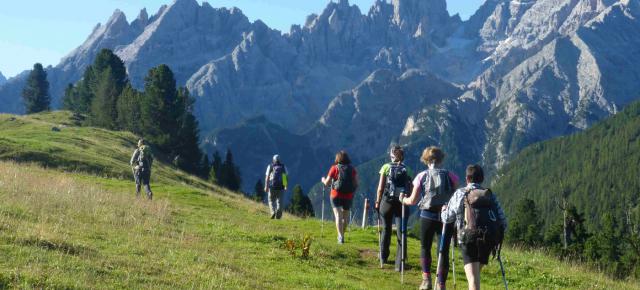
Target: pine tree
[70,99]
[129,114]
[230,174]
[159,122]
[187,143]
[216,166]
[300,203]
[110,78]
[36,92]
[258,191]
[205,166]
[525,227]
[104,112]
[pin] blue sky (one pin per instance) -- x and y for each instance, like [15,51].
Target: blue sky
[44,30]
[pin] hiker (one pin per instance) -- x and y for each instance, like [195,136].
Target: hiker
[343,180]
[436,186]
[476,210]
[395,180]
[275,183]
[141,162]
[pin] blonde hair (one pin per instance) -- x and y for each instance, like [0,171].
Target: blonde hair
[432,154]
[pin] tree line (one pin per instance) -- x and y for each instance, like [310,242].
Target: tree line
[586,192]
[162,113]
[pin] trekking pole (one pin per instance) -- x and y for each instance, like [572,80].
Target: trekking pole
[504,277]
[453,261]
[403,237]
[440,269]
[379,240]
[322,214]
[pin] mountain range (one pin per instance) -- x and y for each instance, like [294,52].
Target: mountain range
[406,71]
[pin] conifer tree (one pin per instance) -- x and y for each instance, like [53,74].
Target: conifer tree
[300,203]
[229,173]
[129,111]
[216,165]
[258,191]
[187,143]
[159,121]
[525,227]
[36,92]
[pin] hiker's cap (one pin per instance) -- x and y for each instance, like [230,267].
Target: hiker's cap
[140,142]
[276,158]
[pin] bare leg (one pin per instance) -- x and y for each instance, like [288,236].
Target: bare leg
[472,271]
[345,221]
[337,212]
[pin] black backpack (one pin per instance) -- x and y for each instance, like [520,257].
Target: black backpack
[481,224]
[398,182]
[437,188]
[276,177]
[345,182]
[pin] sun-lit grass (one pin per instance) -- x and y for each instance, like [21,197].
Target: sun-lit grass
[78,230]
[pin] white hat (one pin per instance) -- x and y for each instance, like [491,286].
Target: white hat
[276,158]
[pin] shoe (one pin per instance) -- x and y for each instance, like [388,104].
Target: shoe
[442,287]
[273,215]
[340,240]
[426,284]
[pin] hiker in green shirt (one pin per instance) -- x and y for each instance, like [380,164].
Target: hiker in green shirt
[395,180]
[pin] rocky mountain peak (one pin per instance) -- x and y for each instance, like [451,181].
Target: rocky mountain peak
[2,79]
[421,18]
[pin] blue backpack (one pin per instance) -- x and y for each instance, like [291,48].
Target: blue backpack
[276,180]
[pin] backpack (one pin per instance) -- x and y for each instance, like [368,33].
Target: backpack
[145,158]
[276,178]
[345,182]
[398,182]
[481,224]
[437,188]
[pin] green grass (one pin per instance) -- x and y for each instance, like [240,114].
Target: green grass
[75,229]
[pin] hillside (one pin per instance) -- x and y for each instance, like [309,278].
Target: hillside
[84,229]
[597,168]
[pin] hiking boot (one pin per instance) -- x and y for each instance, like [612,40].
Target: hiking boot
[426,284]
[273,215]
[441,287]
[340,240]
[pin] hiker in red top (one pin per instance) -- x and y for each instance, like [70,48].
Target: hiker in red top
[343,179]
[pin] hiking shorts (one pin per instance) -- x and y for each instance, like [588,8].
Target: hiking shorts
[475,253]
[343,203]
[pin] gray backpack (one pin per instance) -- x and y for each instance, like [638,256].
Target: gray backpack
[438,189]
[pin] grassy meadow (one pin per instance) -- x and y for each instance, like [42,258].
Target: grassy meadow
[69,219]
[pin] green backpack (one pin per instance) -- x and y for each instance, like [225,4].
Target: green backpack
[145,157]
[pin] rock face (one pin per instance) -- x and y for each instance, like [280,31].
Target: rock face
[406,71]
[2,79]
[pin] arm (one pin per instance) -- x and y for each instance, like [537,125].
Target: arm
[266,178]
[326,180]
[413,198]
[381,184]
[134,157]
[452,208]
[501,216]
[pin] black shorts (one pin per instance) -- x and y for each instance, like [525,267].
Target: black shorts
[343,203]
[475,253]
